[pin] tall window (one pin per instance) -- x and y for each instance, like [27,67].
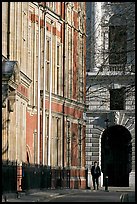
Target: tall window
[79,145]
[80,73]
[68,71]
[117,45]
[47,136]
[68,143]
[58,67]
[48,65]
[117,99]
[58,139]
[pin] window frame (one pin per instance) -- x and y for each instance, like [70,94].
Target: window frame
[118,104]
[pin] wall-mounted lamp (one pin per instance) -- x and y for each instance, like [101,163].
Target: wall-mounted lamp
[8,69]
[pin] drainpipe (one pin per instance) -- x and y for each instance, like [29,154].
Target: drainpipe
[8,32]
[44,83]
[63,84]
[38,108]
[50,92]
[34,62]
[8,135]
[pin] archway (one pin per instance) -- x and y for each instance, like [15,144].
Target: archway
[116,155]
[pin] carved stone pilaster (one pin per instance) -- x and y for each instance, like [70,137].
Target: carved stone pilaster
[11,101]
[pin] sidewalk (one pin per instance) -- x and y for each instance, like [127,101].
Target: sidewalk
[37,195]
[46,194]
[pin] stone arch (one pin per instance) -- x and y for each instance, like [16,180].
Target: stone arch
[113,19]
[117,19]
[116,155]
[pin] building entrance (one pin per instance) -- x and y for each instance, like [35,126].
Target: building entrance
[116,158]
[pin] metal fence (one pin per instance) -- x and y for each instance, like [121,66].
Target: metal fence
[33,177]
[9,176]
[40,176]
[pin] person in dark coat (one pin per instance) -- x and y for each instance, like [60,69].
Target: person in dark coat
[96,173]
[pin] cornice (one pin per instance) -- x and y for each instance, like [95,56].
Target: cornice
[22,96]
[25,80]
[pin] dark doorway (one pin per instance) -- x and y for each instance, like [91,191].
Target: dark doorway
[116,155]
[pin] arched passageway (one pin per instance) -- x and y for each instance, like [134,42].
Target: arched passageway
[116,150]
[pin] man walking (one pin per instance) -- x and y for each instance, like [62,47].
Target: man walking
[96,173]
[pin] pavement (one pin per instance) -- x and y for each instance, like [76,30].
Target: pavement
[37,195]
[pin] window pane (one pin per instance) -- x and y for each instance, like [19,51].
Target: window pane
[47,50]
[117,99]
[117,44]
[47,77]
[57,55]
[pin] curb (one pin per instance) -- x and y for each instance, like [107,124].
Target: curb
[52,193]
[127,197]
[16,195]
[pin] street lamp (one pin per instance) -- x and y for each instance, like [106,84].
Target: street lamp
[107,150]
[8,68]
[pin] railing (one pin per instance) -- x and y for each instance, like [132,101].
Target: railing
[24,177]
[9,176]
[35,176]
[120,68]
[40,176]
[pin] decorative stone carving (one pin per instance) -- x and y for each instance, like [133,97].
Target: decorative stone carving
[11,101]
[16,73]
[116,117]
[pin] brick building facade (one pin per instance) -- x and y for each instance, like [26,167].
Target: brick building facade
[42,114]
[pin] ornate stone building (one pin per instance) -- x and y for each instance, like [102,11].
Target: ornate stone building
[44,45]
[110,94]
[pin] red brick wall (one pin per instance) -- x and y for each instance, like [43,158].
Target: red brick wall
[58,108]
[29,133]
[23,90]
[77,178]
